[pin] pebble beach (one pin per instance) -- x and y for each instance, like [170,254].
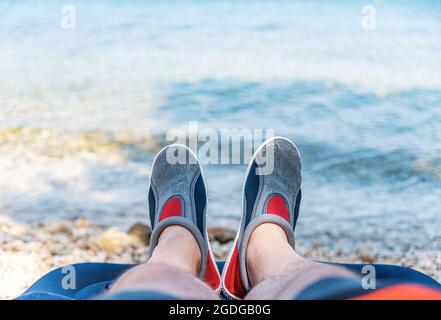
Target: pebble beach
[84,111]
[27,253]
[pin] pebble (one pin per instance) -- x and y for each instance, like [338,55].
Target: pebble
[221,235]
[114,240]
[141,231]
[27,253]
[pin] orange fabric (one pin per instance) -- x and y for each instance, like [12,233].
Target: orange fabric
[403,292]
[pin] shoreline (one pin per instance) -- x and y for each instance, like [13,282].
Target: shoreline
[28,252]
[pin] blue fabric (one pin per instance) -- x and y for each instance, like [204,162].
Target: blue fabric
[297,208]
[92,279]
[387,272]
[200,198]
[251,189]
[333,288]
[136,295]
[152,207]
[346,288]
[340,288]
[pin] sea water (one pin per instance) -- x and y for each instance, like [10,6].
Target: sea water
[85,106]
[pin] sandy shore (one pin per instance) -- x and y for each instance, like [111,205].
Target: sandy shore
[27,253]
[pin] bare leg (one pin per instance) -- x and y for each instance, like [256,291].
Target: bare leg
[172,269]
[276,271]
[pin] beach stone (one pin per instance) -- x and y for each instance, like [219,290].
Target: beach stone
[59,249]
[59,227]
[114,240]
[221,251]
[24,258]
[7,225]
[221,235]
[82,223]
[141,231]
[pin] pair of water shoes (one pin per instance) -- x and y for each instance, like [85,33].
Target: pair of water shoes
[271,194]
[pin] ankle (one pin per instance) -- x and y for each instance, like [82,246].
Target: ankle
[264,238]
[178,247]
[268,252]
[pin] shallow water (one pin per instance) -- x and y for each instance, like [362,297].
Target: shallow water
[83,111]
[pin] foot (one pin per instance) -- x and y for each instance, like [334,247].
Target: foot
[177,197]
[269,196]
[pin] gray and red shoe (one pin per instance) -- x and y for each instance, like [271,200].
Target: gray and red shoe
[177,196]
[268,196]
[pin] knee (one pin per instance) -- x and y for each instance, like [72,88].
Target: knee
[153,273]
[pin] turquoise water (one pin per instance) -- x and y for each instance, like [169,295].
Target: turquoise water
[363,105]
